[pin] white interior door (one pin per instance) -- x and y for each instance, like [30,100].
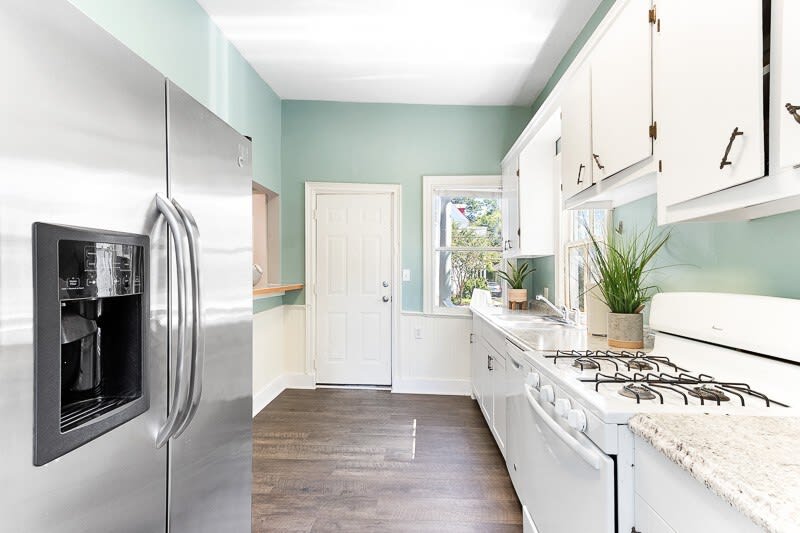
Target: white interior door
[354,289]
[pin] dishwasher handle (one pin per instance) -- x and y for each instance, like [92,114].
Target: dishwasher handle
[591,457]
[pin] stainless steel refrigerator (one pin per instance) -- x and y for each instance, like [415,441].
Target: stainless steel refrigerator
[125,298]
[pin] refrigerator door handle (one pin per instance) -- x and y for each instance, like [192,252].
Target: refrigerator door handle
[179,391]
[198,328]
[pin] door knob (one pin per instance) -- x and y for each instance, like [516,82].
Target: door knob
[385,283]
[386,298]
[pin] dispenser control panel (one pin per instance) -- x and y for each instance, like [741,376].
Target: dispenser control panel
[99,269]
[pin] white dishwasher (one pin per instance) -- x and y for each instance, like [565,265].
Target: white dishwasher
[517,370]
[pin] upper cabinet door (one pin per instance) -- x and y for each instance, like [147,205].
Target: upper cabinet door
[786,76]
[708,97]
[510,206]
[622,110]
[576,134]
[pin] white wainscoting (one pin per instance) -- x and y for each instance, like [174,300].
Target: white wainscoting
[437,362]
[278,354]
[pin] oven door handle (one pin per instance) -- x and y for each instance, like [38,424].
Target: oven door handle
[591,457]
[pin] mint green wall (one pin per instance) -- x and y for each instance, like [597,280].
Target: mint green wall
[756,257]
[178,38]
[385,143]
[545,266]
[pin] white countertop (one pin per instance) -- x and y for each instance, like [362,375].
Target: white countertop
[543,336]
[752,462]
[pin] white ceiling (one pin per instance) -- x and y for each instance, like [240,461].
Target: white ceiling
[465,52]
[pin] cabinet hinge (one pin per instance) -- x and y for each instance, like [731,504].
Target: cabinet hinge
[653,130]
[313,214]
[651,15]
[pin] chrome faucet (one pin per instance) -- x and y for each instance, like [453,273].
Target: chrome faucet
[562,311]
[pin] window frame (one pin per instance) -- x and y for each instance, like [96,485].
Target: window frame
[431,186]
[568,244]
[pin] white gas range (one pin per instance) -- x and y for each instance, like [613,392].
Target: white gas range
[713,353]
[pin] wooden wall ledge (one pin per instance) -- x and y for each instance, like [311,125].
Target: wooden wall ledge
[272,289]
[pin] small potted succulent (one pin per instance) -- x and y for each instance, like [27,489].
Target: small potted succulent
[515,277]
[619,267]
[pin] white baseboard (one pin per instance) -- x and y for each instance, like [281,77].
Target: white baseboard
[285,381]
[453,387]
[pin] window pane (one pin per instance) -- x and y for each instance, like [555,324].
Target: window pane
[578,274]
[458,273]
[468,219]
[600,225]
[581,219]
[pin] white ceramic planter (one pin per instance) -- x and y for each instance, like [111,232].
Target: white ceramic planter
[626,330]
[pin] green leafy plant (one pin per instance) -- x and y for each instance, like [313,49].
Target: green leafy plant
[619,267]
[515,276]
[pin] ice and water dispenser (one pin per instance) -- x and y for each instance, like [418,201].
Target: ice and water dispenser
[91,312]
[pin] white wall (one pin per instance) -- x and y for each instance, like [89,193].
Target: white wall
[438,362]
[278,353]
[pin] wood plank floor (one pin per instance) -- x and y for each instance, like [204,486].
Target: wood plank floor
[358,461]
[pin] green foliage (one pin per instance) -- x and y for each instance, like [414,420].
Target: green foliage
[515,277]
[472,284]
[620,267]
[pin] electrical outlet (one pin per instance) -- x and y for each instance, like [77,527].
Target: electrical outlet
[406,274]
[547,292]
[417,333]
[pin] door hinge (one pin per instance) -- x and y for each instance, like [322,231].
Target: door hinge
[653,130]
[652,18]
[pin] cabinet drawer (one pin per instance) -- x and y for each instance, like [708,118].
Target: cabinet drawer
[684,503]
[647,520]
[495,339]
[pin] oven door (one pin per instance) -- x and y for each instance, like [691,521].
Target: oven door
[571,483]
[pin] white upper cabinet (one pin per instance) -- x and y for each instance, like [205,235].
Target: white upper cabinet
[621,81]
[510,206]
[708,96]
[786,79]
[576,135]
[530,195]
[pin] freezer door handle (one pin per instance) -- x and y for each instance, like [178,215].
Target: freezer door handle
[198,327]
[179,390]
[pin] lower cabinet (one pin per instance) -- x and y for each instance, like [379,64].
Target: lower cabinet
[489,378]
[669,500]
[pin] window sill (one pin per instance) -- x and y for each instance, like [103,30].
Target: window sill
[275,290]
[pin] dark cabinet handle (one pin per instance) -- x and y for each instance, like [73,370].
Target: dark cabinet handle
[580,170]
[793,110]
[597,160]
[735,133]
[489,362]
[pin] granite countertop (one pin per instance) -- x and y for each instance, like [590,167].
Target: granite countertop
[752,462]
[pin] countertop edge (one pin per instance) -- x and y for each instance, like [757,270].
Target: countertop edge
[690,459]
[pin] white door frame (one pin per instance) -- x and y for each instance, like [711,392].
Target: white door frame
[313,190]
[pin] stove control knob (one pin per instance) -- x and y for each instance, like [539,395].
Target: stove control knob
[533,380]
[576,420]
[562,407]
[547,393]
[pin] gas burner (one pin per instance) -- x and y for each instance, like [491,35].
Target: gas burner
[637,392]
[639,364]
[705,392]
[584,363]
